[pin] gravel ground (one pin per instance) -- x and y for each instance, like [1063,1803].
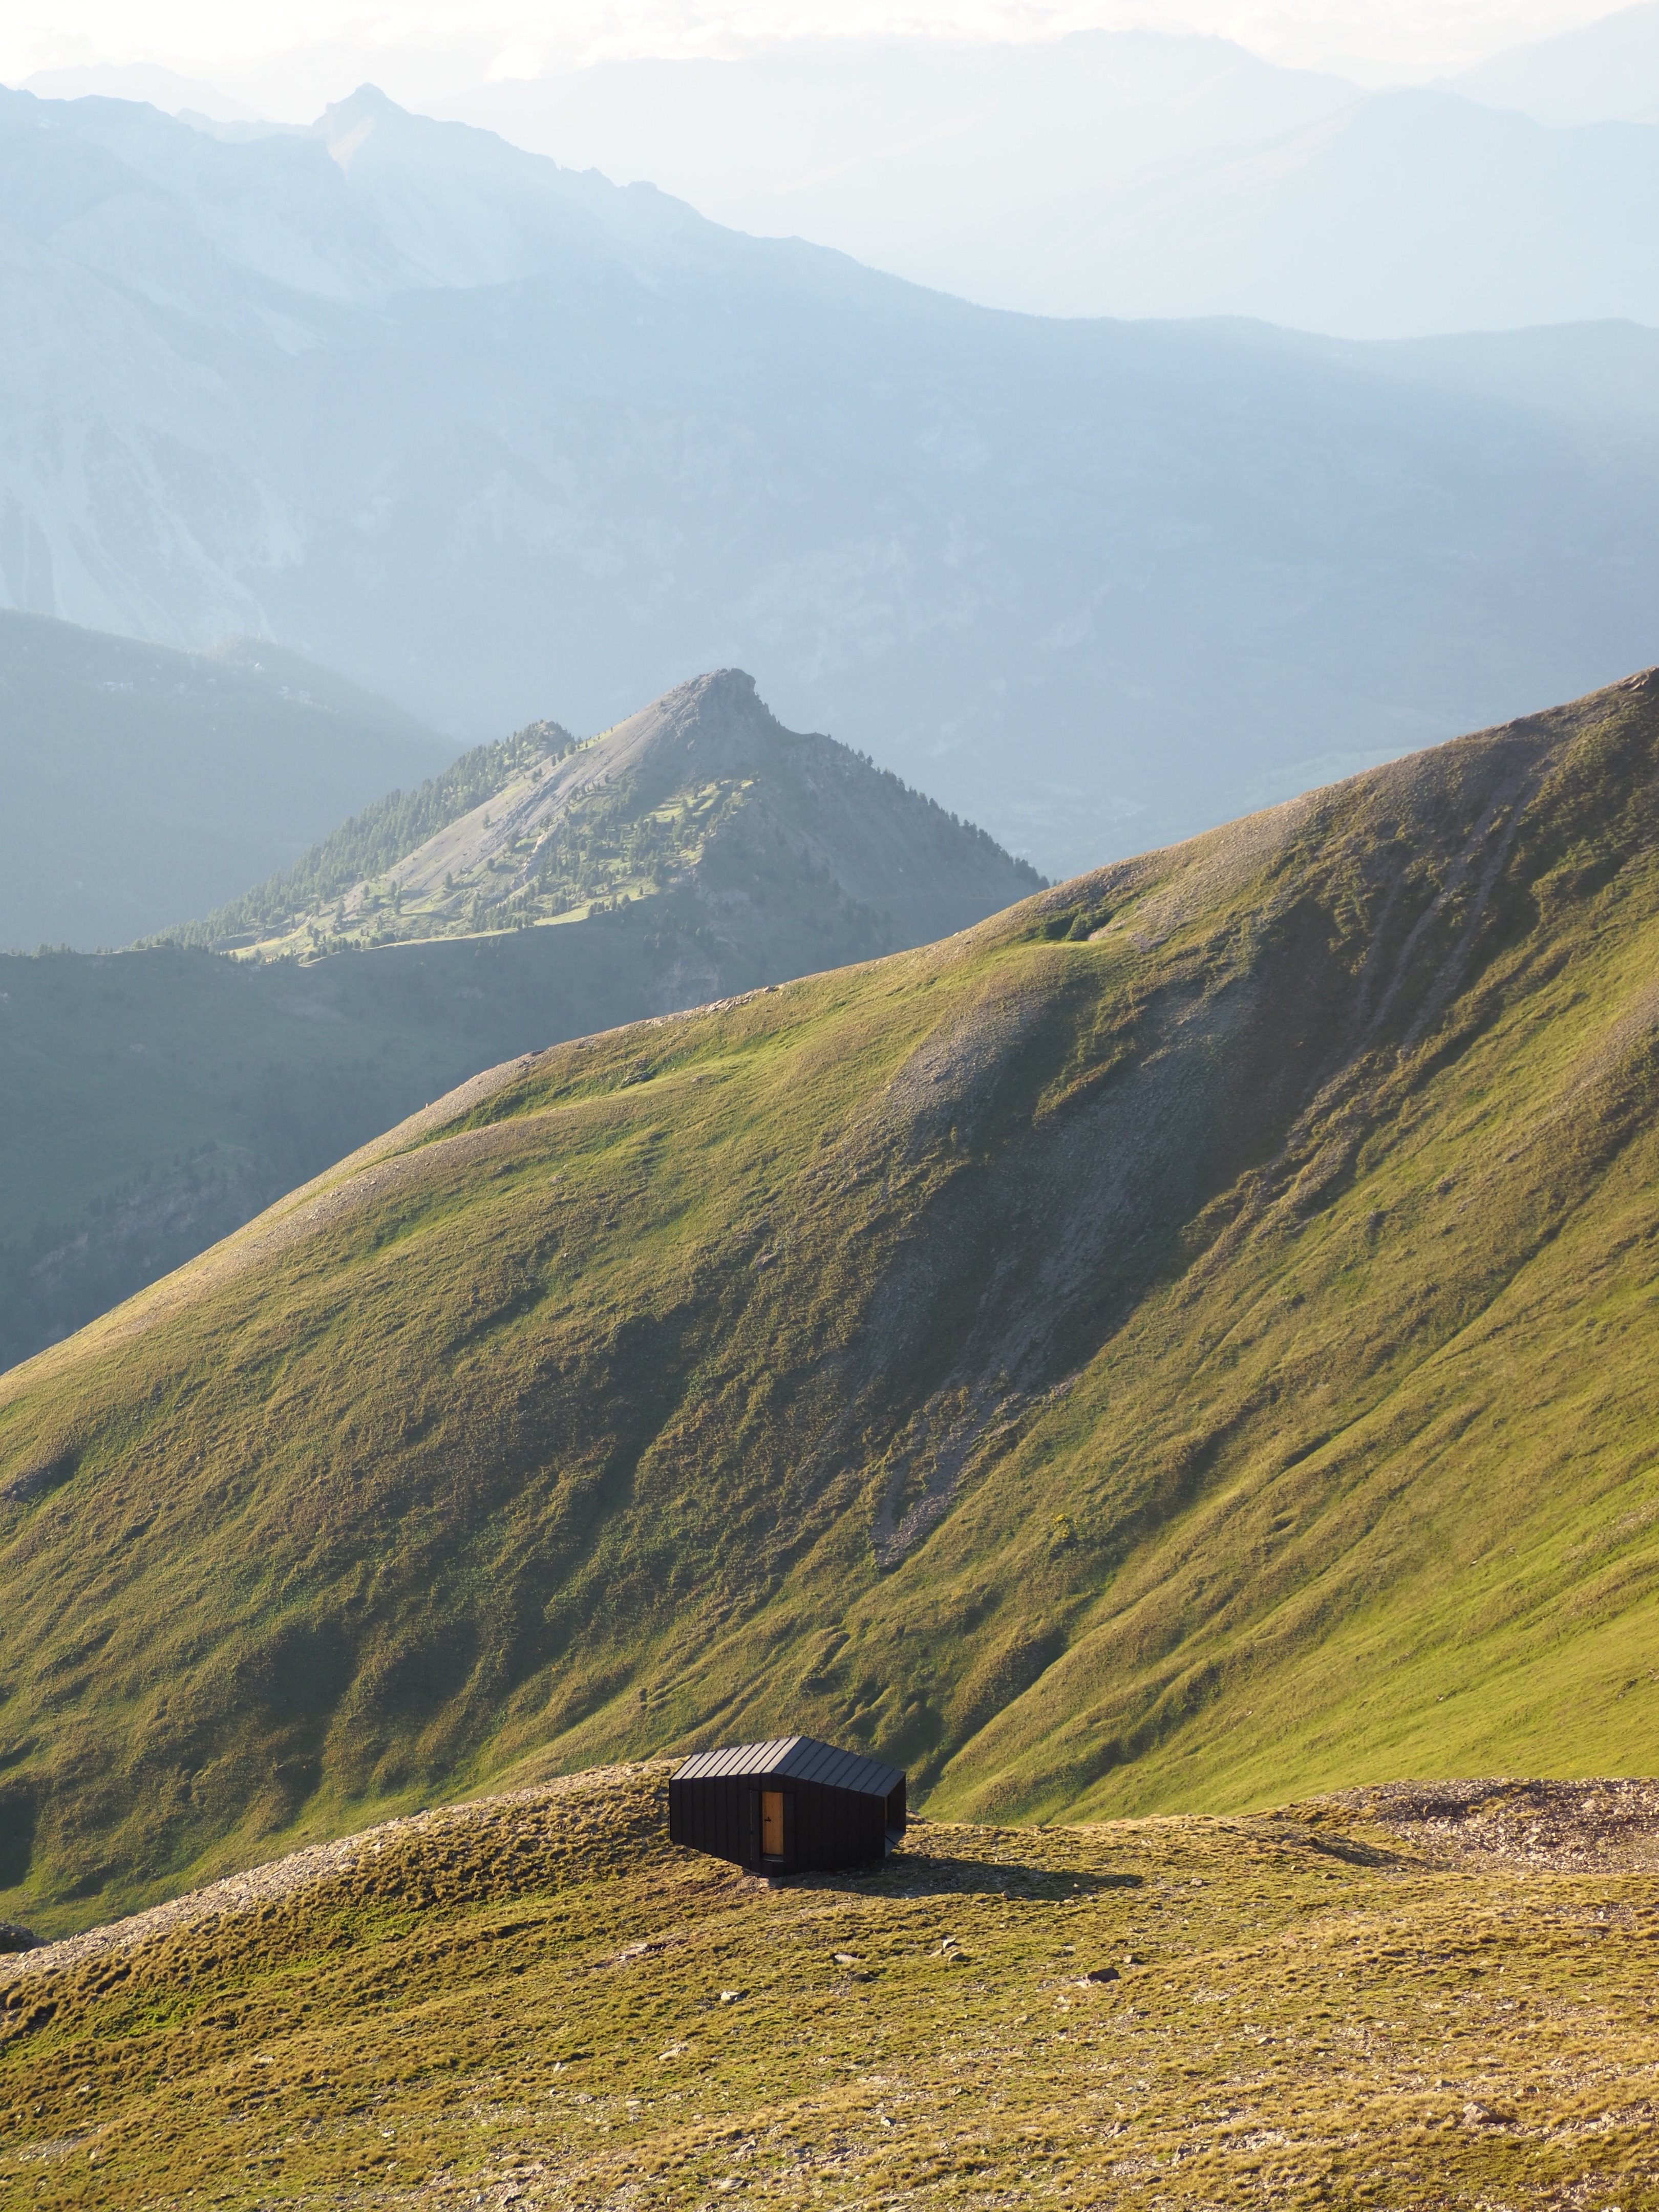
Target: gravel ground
[1600,1826]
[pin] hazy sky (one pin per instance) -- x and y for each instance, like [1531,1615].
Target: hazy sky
[457,42]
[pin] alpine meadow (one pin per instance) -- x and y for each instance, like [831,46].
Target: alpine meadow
[1177,1346]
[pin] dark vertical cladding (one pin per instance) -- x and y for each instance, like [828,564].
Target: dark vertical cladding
[792,1806]
[897,1814]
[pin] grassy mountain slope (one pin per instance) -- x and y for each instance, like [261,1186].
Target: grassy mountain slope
[157,1099]
[139,785]
[535,2001]
[1184,1341]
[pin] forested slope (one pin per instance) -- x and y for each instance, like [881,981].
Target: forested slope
[157,1098]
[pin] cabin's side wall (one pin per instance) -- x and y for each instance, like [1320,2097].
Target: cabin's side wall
[711,1814]
[898,1816]
[837,1828]
[830,1828]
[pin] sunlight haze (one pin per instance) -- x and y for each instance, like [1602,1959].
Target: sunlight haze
[285,62]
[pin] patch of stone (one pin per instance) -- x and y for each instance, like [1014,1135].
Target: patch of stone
[1606,1824]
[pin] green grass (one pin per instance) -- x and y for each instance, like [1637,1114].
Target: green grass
[1182,1345]
[541,2002]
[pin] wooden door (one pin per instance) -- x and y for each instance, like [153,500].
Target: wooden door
[771,1823]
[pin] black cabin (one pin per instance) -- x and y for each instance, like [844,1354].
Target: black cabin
[792,1806]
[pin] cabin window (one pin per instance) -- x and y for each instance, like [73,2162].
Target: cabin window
[771,1823]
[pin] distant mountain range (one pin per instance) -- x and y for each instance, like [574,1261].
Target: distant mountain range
[1185,1341]
[1129,173]
[1604,71]
[139,785]
[155,1099]
[880,146]
[1137,173]
[505,442]
[1398,216]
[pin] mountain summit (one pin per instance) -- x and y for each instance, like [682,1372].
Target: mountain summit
[703,796]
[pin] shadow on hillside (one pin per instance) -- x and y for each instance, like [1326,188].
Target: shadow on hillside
[924,1873]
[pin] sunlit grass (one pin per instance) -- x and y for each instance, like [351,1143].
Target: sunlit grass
[543,2003]
[1182,1345]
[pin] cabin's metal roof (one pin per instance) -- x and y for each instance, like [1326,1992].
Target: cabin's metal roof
[795,1759]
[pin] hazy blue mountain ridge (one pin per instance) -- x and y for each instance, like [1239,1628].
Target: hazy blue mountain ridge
[1404,215]
[139,785]
[1138,173]
[1093,585]
[1607,71]
[989,167]
[876,144]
